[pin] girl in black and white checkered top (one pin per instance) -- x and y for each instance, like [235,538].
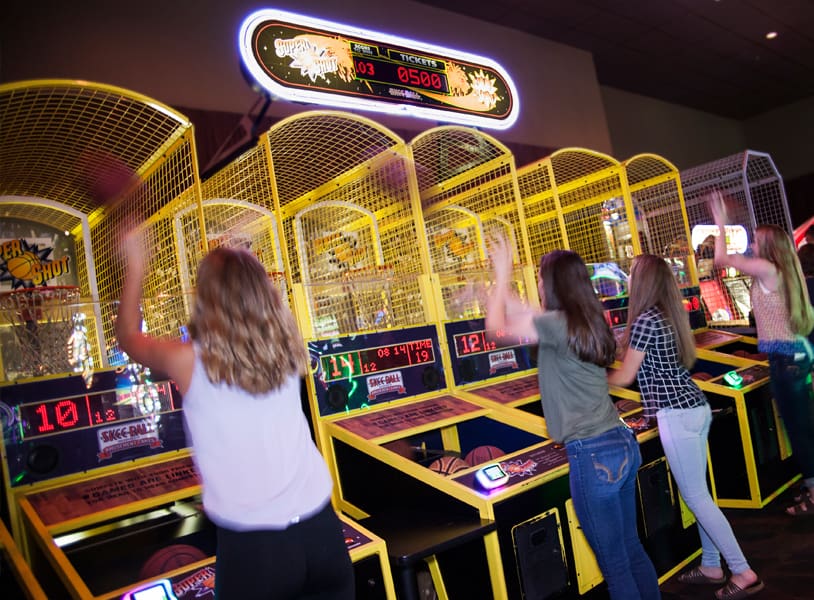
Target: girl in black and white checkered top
[660,350]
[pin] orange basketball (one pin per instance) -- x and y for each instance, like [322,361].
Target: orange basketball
[170,558]
[482,454]
[22,266]
[701,376]
[447,465]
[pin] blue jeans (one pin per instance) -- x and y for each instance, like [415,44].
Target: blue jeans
[791,389]
[603,487]
[683,434]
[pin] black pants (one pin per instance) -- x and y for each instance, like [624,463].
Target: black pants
[308,560]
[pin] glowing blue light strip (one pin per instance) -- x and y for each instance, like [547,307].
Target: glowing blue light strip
[251,22]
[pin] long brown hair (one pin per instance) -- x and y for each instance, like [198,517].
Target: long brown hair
[652,284]
[246,333]
[566,286]
[775,245]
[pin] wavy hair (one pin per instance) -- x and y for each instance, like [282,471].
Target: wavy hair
[652,284]
[566,286]
[246,333]
[775,245]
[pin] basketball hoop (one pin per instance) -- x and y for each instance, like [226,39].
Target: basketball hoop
[369,295]
[42,321]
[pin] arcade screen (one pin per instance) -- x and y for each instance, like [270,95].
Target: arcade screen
[478,354]
[357,371]
[59,426]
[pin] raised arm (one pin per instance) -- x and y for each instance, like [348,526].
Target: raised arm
[761,268]
[504,310]
[172,357]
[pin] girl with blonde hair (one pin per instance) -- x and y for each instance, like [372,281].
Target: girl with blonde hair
[783,317]
[659,351]
[264,483]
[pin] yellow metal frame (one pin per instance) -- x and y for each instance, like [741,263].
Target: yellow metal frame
[19,567]
[376,547]
[105,156]
[738,396]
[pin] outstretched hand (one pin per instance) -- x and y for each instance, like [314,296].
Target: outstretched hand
[717,206]
[500,253]
[135,252]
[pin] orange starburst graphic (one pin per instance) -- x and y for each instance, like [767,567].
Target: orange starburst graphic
[483,86]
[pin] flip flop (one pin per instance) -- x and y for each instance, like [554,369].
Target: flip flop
[732,591]
[804,508]
[696,577]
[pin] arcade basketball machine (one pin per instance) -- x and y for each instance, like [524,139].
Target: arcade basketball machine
[238,211]
[95,467]
[469,191]
[583,200]
[748,432]
[755,186]
[343,189]
[468,188]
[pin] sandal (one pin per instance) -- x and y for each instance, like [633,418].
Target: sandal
[801,493]
[804,508]
[696,576]
[732,591]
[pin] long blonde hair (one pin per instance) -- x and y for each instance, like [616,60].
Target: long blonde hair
[652,284]
[775,245]
[246,333]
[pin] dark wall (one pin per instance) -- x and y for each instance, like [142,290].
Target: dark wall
[800,193]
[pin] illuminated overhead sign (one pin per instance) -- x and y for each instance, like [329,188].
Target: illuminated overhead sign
[309,60]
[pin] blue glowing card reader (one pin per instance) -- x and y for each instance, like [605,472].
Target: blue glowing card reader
[491,476]
[157,590]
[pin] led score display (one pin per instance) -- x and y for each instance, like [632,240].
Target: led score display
[304,59]
[478,342]
[56,416]
[346,365]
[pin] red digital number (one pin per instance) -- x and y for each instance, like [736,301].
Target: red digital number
[45,425]
[416,77]
[471,343]
[365,68]
[65,415]
[339,362]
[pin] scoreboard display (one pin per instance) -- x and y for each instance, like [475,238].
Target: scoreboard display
[304,59]
[57,427]
[357,371]
[480,355]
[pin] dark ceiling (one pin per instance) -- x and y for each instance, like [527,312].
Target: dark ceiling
[711,55]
